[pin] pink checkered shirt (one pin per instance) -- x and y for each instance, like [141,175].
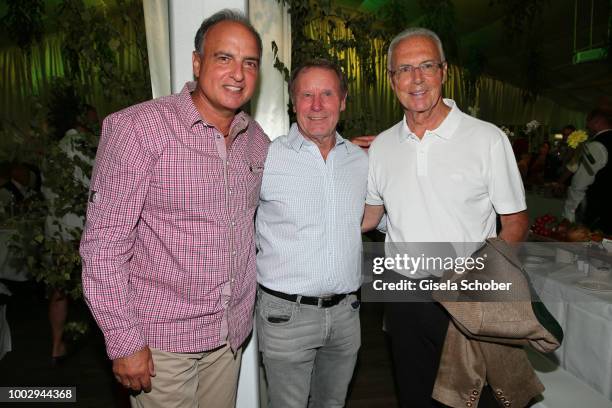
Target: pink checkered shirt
[168,251]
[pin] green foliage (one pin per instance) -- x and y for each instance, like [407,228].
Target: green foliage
[44,245]
[23,21]
[92,46]
[520,18]
[473,68]
[328,44]
[439,16]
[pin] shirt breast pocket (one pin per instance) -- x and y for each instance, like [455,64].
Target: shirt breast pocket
[254,176]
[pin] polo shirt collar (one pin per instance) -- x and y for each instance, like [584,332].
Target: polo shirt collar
[296,140]
[446,129]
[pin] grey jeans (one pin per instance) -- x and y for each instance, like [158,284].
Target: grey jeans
[307,350]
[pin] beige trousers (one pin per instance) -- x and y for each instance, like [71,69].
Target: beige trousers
[192,380]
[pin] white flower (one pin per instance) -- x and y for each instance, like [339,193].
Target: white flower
[507,131]
[531,126]
[473,110]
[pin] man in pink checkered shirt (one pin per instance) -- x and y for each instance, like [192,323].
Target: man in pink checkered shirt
[168,251]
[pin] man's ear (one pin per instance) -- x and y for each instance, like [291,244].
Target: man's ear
[196,61]
[444,72]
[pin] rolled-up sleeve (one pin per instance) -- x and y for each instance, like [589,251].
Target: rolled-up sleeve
[118,189]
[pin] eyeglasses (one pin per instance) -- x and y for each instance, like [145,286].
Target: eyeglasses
[426,68]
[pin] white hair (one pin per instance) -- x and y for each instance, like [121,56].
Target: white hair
[414,32]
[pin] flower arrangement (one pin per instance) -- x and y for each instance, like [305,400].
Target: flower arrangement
[576,138]
[531,127]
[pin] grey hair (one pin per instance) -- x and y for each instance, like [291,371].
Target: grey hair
[414,32]
[220,16]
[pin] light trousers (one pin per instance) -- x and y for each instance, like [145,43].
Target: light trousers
[309,353]
[192,380]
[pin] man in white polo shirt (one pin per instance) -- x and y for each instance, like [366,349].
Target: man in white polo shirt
[441,176]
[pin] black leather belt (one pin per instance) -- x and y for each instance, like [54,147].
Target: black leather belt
[324,302]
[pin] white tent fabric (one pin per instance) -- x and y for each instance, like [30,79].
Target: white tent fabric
[158,45]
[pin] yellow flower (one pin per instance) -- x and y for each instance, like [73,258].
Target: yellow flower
[576,137]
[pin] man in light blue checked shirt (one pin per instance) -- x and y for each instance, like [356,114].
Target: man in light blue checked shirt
[309,241]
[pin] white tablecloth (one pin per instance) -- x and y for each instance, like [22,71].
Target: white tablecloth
[563,390]
[586,319]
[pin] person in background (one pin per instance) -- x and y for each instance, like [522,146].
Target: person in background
[592,180]
[308,234]
[538,165]
[70,121]
[168,249]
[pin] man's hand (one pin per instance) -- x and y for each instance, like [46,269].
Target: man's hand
[135,371]
[363,141]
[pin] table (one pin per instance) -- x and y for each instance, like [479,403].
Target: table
[586,319]
[562,389]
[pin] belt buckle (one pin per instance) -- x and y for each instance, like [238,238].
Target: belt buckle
[325,301]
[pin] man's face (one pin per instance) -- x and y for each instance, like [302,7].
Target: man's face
[227,72]
[317,102]
[416,91]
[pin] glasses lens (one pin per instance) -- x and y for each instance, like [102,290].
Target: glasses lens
[429,68]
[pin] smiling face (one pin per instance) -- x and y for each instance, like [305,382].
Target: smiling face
[317,102]
[416,92]
[227,71]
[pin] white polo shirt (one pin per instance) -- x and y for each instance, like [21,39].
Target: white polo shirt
[447,186]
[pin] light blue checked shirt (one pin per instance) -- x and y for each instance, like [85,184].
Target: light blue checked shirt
[309,217]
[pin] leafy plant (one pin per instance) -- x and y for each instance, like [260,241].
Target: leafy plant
[320,30]
[23,21]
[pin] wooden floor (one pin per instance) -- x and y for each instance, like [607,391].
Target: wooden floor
[89,370]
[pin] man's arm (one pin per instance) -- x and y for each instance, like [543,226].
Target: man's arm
[514,227]
[363,141]
[371,217]
[118,190]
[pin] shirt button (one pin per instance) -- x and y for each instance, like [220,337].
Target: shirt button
[468,404]
[234,253]
[231,191]
[225,302]
[233,223]
[233,280]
